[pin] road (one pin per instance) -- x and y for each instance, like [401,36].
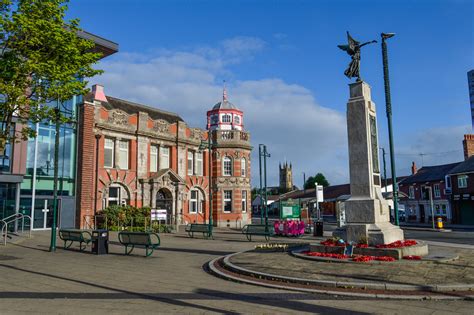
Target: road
[457,237]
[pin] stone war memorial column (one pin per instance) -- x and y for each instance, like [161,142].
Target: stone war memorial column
[367,212]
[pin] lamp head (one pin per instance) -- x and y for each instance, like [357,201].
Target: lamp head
[387,35]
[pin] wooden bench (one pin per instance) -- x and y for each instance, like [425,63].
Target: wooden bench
[205,229]
[148,239]
[73,235]
[257,229]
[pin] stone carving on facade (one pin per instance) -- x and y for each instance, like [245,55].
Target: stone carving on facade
[237,154]
[166,180]
[196,134]
[161,125]
[217,155]
[118,117]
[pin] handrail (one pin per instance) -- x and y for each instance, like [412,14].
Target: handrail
[13,218]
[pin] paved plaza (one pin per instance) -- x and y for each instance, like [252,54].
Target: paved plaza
[170,281]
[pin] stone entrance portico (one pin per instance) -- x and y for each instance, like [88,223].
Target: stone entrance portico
[170,184]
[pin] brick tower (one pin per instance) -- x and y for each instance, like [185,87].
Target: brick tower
[230,165]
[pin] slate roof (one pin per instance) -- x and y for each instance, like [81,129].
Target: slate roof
[464,167]
[430,173]
[224,105]
[330,192]
[132,108]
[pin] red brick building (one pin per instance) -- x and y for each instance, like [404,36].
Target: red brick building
[461,185]
[142,156]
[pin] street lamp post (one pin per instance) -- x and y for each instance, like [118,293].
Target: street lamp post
[260,171]
[209,144]
[265,155]
[388,105]
[52,246]
[431,206]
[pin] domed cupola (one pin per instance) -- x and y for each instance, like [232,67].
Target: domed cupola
[225,115]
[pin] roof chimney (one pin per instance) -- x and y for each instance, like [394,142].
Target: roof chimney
[468,144]
[98,93]
[413,168]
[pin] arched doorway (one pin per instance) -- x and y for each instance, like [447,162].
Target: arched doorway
[164,200]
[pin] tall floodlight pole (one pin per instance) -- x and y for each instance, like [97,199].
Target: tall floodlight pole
[388,104]
[260,170]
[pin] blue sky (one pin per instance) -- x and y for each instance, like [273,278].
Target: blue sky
[283,68]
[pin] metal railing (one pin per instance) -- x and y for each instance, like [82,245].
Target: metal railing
[11,219]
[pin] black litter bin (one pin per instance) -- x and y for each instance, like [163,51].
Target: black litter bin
[100,242]
[318,228]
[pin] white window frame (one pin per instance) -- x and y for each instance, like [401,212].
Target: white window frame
[198,159]
[154,149]
[244,201]
[411,192]
[109,145]
[190,164]
[437,191]
[164,160]
[124,155]
[243,167]
[462,181]
[116,199]
[194,201]
[227,171]
[237,120]
[227,199]
[226,118]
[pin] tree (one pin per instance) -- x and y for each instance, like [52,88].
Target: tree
[318,178]
[42,60]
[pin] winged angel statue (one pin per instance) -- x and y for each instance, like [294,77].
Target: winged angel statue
[353,49]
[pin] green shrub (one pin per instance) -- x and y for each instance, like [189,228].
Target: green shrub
[118,218]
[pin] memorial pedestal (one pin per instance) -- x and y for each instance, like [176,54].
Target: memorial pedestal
[367,212]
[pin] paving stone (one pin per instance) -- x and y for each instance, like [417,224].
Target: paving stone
[171,281]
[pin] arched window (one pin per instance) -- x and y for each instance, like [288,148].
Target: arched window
[227,166]
[226,118]
[243,167]
[116,195]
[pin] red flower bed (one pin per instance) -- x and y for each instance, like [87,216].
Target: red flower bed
[362,245]
[327,255]
[331,242]
[398,244]
[362,258]
[414,257]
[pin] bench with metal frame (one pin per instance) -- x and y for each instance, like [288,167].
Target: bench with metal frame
[75,235]
[205,229]
[149,240]
[257,229]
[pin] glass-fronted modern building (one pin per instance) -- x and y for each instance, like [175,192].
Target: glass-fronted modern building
[27,167]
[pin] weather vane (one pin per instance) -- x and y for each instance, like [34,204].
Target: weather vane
[353,49]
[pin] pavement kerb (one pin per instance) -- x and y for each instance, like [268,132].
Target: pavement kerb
[226,276]
[342,284]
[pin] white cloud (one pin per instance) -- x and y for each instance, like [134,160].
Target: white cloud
[284,116]
[434,146]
